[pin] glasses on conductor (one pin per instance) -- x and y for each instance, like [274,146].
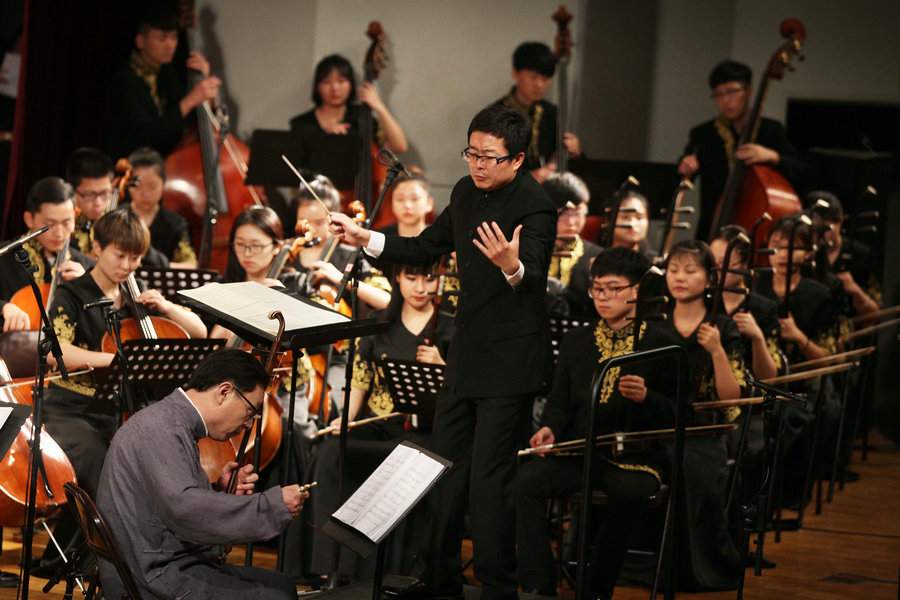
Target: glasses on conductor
[472,158]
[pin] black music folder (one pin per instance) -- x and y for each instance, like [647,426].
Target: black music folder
[336,156]
[12,417]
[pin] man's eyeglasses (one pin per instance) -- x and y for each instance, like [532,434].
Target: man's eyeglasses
[472,158]
[726,93]
[89,196]
[609,292]
[255,412]
[250,249]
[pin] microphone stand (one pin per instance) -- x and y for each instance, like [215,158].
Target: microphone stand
[48,343]
[351,272]
[755,510]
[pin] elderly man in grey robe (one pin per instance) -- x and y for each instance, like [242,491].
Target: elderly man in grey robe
[167,519]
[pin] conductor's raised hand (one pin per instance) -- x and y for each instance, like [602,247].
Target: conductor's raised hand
[342,226]
[494,245]
[294,496]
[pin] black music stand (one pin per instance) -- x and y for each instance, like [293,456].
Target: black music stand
[559,325]
[336,156]
[171,281]
[414,387]
[10,427]
[154,369]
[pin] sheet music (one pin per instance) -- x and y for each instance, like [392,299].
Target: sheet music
[395,486]
[5,411]
[9,82]
[252,302]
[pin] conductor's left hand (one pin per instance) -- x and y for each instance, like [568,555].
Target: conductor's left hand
[493,244]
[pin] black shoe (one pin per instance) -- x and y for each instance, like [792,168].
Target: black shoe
[9,579]
[419,590]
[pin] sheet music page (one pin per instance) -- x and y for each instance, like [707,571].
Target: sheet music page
[252,302]
[5,411]
[387,494]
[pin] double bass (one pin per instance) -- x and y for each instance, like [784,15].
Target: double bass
[372,173]
[752,190]
[205,179]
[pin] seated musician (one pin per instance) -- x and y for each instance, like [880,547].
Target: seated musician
[159,505]
[411,203]
[712,149]
[533,67]
[415,333]
[324,261]
[147,102]
[334,93]
[120,240]
[850,261]
[91,173]
[633,401]
[708,555]
[756,316]
[168,230]
[632,222]
[50,202]
[571,260]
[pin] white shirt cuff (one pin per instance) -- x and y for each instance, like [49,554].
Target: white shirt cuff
[376,244]
[516,277]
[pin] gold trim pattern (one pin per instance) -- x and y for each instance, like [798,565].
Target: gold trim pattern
[723,128]
[143,70]
[612,343]
[561,266]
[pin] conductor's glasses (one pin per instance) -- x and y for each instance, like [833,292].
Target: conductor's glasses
[472,158]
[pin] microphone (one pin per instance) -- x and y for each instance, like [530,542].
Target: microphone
[769,389]
[17,243]
[394,161]
[98,304]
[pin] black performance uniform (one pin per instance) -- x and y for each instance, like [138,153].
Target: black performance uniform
[628,477]
[308,123]
[169,236]
[13,277]
[144,109]
[494,368]
[543,129]
[574,272]
[714,144]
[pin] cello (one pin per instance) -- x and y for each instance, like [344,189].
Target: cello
[752,190]
[205,178]
[54,469]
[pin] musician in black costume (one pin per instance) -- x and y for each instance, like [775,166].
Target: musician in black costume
[571,260]
[711,152]
[148,105]
[50,202]
[708,557]
[334,93]
[533,67]
[90,172]
[411,318]
[632,399]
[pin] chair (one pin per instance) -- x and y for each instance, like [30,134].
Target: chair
[19,350]
[98,536]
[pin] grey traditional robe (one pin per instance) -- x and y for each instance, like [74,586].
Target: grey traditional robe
[166,518]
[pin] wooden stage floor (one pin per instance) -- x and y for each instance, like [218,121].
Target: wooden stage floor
[850,551]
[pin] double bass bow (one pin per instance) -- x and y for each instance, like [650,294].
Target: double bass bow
[563,53]
[751,190]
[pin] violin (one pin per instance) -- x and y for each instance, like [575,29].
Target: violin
[53,471]
[751,190]
[206,186]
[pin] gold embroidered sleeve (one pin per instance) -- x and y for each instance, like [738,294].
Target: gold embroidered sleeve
[184,252]
[376,278]
[874,291]
[363,373]
[63,326]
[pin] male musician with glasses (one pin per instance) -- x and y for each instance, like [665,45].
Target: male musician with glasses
[90,172]
[712,146]
[502,226]
[635,400]
[166,518]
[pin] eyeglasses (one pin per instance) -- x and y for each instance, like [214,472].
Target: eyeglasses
[472,158]
[572,215]
[255,412]
[609,292]
[102,195]
[250,249]
[726,93]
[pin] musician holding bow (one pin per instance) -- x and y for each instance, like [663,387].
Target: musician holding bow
[711,150]
[633,401]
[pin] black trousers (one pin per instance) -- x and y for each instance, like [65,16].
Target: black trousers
[481,437]
[544,479]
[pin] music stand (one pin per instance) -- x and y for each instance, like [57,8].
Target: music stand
[414,386]
[336,156]
[171,281]
[559,326]
[154,367]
